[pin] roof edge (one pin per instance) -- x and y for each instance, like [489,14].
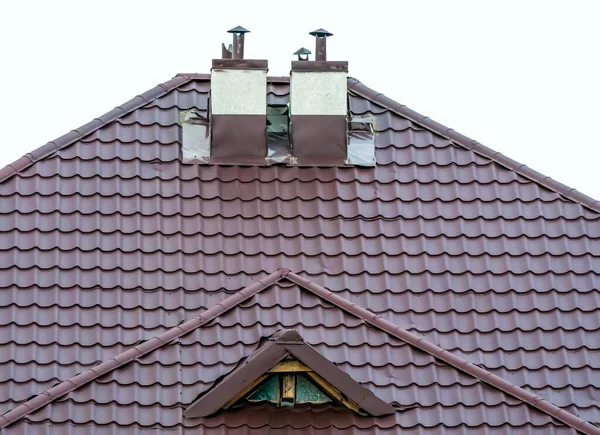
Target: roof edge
[424,121]
[455,361]
[138,351]
[135,103]
[74,135]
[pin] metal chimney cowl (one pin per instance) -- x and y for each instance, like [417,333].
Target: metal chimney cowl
[319,108]
[238,106]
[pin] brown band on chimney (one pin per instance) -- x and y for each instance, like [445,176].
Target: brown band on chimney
[241,64]
[319,139]
[239,138]
[319,66]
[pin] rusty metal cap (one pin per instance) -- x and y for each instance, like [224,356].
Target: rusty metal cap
[320,33]
[238,29]
[302,51]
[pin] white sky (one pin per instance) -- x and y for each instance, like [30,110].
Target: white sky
[522,77]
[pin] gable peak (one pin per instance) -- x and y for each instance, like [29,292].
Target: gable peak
[284,370]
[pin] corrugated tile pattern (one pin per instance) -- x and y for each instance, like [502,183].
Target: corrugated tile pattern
[112,240]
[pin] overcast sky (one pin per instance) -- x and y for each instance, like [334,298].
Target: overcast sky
[522,77]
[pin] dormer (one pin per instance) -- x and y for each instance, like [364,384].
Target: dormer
[285,371]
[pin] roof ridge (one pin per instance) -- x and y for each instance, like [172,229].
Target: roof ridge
[473,145]
[449,358]
[74,135]
[141,349]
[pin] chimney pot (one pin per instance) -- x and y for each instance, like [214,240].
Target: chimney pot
[302,53]
[226,52]
[321,45]
[238,41]
[240,29]
[321,33]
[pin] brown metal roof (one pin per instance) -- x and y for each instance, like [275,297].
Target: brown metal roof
[235,380]
[107,239]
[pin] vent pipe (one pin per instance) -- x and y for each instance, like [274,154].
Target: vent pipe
[238,41]
[302,54]
[226,52]
[321,44]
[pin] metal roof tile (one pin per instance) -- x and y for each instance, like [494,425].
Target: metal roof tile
[111,240]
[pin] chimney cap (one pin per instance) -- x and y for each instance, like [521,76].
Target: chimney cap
[320,33]
[302,51]
[238,29]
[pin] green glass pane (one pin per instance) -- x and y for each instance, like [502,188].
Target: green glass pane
[268,391]
[307,392]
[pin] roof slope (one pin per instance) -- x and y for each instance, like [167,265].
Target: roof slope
[109,240]
[420,400]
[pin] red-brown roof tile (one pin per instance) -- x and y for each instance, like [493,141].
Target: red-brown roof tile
[107,239]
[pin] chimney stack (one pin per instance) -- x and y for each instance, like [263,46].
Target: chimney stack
[319,108]
[238,41]
[238,106]
[321,43]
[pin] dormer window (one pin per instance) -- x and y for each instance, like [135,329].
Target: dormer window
[287,372]
[288,383]
[287,390]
